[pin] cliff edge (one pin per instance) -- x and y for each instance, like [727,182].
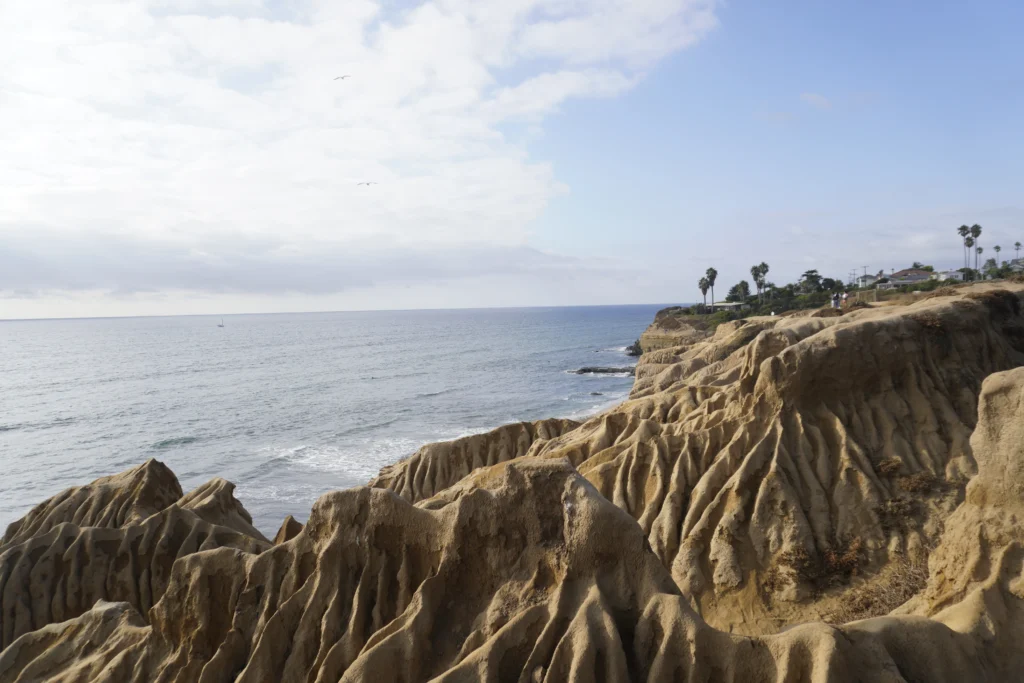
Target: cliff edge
[800,499]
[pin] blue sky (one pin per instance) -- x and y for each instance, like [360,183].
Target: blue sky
[833,120]
[180,156]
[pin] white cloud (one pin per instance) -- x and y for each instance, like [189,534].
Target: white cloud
[206,121]
[816,101]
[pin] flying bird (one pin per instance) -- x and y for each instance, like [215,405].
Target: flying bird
[368,183]
[341,78]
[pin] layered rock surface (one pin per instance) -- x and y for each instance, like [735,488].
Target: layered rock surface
[781,471]
[115,540]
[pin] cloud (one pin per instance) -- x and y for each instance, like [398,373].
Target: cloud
[156,128]
[128,265]
[816,101]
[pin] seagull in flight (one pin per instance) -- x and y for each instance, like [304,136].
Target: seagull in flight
[341,78]
[368,183]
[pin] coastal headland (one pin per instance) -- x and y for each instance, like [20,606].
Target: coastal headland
[798,498]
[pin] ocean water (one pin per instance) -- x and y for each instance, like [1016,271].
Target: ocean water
[287,406]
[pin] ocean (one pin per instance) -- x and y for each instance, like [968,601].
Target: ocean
[287,406]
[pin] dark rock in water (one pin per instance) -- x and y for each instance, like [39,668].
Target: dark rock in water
[596,393]
[634,349]
[604,371]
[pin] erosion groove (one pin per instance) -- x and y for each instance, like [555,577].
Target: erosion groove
[525,574]
[61,572]
[437,466]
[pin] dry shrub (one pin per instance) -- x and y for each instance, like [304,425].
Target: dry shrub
[771,581]
[896,512]
[827,313]
[941,291]
[833,567]
[888,467]
[930,322]
[843,563]
[922,482]
[1017,278]
[900,582]
[857,304]
[1000,302]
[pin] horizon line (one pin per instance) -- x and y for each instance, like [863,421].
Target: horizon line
[361,310]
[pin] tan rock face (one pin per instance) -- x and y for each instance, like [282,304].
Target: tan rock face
[773,464]
[110,502]
[60,572]
[437,466]
[522,573]
[783,470]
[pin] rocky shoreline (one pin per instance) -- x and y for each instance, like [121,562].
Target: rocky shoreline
[789,498]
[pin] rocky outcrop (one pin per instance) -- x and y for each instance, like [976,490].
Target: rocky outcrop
[783,471]
[982,546]
[61,571]
[110,502]
[290,528]
[596,370]
[215,502]
[437,466]
[521,572]
[783,465]
[673,327]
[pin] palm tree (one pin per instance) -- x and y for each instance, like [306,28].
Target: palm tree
[976,233]
[978,251]
[964,231]
[755,274]
[998,249]
[969,243]
[763,268]
[1017,247]
[704,285]
[712,275]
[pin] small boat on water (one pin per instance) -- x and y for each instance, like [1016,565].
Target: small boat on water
[221,323]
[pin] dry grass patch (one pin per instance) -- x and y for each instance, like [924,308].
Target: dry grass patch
[833,567]
[922,482]
[888,467]
[902,580]
[930,322]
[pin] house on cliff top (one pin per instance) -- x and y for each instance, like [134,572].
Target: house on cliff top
[908,276]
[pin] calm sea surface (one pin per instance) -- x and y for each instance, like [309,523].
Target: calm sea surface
[286,406]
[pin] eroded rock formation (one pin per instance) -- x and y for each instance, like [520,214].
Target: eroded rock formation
[785,469]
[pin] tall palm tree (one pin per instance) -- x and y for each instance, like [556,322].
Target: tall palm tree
[712,275]
[998,249]
[755,273]
[964,231]
[763,268]
[704,286]
[969,243]
[976,233]
[1017,247]
[978,251]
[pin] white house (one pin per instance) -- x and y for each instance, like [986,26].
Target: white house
[866,280]
[948,275]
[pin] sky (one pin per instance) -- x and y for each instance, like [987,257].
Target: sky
[163,157]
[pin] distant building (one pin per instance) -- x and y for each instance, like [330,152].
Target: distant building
[948,275]
[908,276]
[1016,265]
[731,305]
[867,280]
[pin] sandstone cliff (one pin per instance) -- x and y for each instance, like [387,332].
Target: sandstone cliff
[782,471]
[671,328]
